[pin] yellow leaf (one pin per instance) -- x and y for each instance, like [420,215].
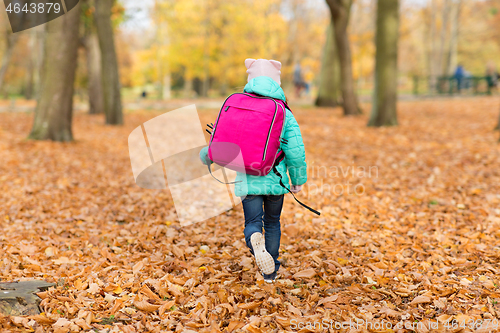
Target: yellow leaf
[342,261]
[49,252]
[118,290]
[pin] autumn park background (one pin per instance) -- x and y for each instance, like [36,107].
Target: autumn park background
[404,88]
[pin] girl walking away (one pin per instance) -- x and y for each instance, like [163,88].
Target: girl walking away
[263,194]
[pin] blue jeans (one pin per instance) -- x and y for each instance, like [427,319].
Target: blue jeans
[264,211]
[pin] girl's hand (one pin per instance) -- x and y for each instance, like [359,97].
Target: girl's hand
[296,188]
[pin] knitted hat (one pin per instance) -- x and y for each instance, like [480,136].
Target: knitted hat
[263,67]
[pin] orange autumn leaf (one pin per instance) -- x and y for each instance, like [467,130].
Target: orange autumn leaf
[422,238]
[249,306]
[306,274]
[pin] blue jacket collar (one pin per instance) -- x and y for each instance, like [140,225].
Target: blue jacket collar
[265,86]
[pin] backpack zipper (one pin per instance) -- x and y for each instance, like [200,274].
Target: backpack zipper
[269,133]
[282,130]
[217,121]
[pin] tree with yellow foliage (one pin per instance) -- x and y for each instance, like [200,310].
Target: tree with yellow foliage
[206,42]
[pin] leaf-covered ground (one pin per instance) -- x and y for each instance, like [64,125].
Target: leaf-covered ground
[420,245]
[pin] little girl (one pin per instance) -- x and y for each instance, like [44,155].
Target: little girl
[263,200]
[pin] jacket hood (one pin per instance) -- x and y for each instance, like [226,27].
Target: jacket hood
[265,86]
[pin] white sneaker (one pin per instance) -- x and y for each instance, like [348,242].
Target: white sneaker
[264,260]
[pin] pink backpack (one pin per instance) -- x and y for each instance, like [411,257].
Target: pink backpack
[247,134]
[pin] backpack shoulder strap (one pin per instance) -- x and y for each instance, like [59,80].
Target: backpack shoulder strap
[209,163]
[276,99]
[286,105]
[277,173]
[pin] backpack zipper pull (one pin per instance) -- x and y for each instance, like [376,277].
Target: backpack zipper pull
[227,108]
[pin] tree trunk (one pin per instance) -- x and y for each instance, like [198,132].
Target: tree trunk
[110,74]
[11,40]
[443,68]
[93,51]
[167,86]
[205,83]
[38,57]
[30,70]
[293,56]
[54,110]
[163,42]
[453,50]
[431,44]
[340,10]
[188,87]
[329,79]
[386,64]
[35,61]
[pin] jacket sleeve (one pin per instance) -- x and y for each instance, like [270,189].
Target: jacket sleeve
[295,153]
[204,156]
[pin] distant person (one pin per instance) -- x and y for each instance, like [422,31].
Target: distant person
[298,80]
[308,76]
[459,76]
[144,94]
[491,76]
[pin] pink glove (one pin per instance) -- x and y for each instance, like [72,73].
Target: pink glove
[296,188]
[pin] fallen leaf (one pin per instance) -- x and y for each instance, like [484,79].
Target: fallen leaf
[234,325]
[137,267]
[307,274]
[146,306]
[420,299]
[64,260]
[249,306]
[93,288]
[328,299]
[165,306]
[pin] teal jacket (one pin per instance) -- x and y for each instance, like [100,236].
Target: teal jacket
[295,155]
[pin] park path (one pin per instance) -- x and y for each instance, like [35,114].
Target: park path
[419,244]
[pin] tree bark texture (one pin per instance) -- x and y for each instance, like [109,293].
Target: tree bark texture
[340,11]
[109,60]
[94,70]
[386,65]
[329,80]
[54,110]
